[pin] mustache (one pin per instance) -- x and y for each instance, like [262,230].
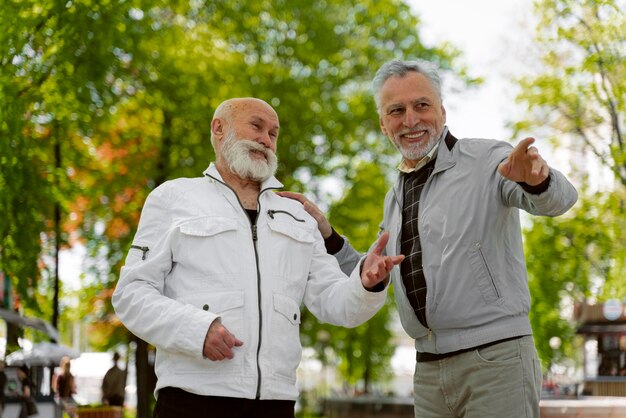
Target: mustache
[418,127]
[255,146]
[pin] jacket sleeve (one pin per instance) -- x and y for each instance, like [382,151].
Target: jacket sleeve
[139,299]
[347,257]
[556,200]
[334,297]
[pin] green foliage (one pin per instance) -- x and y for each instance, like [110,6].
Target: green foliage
[571,259]
[581,93]
[101,101]
[580,100]
[363,352]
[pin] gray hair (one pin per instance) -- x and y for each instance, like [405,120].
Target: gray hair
[399,68]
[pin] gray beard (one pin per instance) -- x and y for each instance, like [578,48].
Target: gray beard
[416,152]
[236,154]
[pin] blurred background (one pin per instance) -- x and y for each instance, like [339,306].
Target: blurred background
[101,101]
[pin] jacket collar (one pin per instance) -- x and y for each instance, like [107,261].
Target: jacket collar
[271,183]
[445,160]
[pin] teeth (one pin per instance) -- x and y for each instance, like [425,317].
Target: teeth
[414,135]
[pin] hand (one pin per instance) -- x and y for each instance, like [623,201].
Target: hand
[322,223]
[524,164]
[376,267]
[219,342]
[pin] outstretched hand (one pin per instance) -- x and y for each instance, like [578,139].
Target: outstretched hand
[376,266]
[322,223]
[219,342]
[524,164]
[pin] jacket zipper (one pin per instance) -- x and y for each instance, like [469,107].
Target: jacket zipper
[253,230]
[482,256]
[144,250]
[272,212]
[259,300]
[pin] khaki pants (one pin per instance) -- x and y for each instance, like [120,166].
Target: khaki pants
[499,381]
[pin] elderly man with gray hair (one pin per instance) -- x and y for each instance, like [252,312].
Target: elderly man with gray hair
[453,212]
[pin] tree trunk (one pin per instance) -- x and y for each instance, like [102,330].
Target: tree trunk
[146,380]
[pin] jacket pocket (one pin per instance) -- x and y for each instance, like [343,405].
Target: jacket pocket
[285,337]
[485,280]
[209,226]
[288,254]
[296,231]
[229,305]
[210,250]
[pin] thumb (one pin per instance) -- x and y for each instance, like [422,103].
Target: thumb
[397,259]
[238,342]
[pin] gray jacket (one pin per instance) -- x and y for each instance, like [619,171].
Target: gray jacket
[472,246]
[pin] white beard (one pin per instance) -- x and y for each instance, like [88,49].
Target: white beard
[236,154]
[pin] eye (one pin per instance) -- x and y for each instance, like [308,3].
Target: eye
[422,106]
[395,111]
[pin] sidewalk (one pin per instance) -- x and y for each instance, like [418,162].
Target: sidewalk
[592,407]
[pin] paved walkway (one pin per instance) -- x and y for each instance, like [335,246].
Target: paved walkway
[593,407]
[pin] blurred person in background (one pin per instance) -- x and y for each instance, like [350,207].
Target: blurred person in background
[114,384]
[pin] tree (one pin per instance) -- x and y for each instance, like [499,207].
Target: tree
[125,90]
[580,101]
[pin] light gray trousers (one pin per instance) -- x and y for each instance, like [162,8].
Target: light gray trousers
[499,381]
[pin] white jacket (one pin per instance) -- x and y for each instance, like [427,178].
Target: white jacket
[196,257]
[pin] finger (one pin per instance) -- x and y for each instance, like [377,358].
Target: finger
[228,339]
[541,170]
[225,350]
[381,243]
[231,341]
[214,355]
[523,145]
[293,195]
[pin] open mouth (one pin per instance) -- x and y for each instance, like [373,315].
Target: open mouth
[416,135]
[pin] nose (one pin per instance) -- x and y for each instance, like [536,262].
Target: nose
[265,139]
[411,118]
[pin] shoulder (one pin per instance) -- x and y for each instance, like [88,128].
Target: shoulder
[172,191]
[483,144]
[179,185]
[289,205]
[482,149]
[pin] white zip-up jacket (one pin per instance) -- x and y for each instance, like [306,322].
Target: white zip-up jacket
[196,258]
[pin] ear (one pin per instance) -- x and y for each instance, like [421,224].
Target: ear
[382,126]
[443,113]
[217,128]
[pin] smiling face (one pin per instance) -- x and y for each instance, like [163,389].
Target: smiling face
[245,132]
[411,115]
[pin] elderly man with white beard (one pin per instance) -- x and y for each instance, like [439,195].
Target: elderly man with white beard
[218,270]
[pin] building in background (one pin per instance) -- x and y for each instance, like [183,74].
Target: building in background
[603,327]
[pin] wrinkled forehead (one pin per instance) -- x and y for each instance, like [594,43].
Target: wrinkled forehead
[407,88]
[255,108]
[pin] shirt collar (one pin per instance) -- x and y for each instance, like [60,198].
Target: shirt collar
[404,167]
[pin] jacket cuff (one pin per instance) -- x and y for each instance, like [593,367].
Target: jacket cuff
[334,243]
[537,189]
